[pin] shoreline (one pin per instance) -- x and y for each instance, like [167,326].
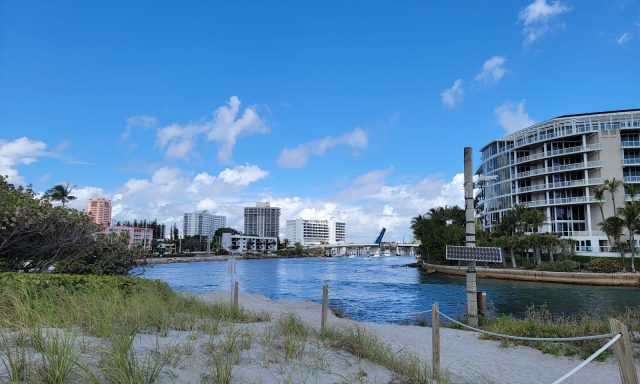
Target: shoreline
[602,279]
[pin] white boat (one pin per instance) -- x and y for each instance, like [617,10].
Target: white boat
[387,252]
[376,253]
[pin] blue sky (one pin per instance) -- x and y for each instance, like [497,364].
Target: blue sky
[358,110]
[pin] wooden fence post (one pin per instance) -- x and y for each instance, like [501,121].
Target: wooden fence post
[235,295]
[623,352]
[325,302]
[435,339]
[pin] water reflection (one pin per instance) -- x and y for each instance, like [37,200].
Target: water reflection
[381,290]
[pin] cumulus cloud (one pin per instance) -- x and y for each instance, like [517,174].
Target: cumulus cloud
[623,39]
[540,17]
[299,156]
[492,70]
[142,121]
[454,95]
[225,127]
[22,151]
[512,117]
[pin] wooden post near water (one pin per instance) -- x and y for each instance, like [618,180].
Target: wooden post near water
[435,340]
[235,295]
[622,348]
[325,302]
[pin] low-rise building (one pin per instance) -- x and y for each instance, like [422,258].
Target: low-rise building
[137,235]
[244,243]
[316,232]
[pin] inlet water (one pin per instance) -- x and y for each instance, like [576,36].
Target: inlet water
[383,290]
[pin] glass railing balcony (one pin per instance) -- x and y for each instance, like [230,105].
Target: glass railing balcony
[560,184]
[631,161]
[559,201]
[628,197]
[532,172]
[587,233]
[632,179]
[567,167]
[630,143]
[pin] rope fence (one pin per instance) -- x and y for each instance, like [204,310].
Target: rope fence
[619,337]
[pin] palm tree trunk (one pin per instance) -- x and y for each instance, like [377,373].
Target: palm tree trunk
[513,259]
[624,268]
[633,252]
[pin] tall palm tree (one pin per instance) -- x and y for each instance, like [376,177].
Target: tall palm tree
[630,215]
[613,227]
[61,193]
[613,185]
[598,194]
[535,219]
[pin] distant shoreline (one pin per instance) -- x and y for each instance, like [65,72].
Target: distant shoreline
[608,279]
[201,258]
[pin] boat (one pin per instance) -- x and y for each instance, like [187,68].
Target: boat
[387,252]
[376,253]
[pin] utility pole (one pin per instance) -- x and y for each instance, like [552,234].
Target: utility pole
[470,234]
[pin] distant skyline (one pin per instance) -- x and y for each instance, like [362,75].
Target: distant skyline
[353,110]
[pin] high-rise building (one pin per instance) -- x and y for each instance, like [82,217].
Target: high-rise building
[315,232]
[202,223]
[554,167]
[100,210]
[262,220]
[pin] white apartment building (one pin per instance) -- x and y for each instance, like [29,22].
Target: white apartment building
[554,166]
[315,232]
[202,223]
[243,243]
[262,220]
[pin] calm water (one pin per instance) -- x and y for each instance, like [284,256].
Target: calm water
[382,290]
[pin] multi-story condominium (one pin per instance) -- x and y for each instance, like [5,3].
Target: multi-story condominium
[315,232]
[100,210]
[554,166]
[202,224]
[262,220]
[243,243]
[137,235]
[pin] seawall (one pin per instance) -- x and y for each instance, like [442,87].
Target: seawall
[612,279]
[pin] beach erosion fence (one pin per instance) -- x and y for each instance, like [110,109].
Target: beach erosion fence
[619,337]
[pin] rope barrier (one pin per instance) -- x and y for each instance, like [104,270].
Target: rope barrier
[588,359]
[577,338]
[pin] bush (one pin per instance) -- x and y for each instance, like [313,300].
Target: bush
[605,265]
[559,266]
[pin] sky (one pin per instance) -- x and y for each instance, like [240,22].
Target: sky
[357,110]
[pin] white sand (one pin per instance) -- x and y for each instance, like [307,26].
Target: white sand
[466,357]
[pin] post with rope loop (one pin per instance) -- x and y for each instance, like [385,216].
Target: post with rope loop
[623,353]
[325,302]
[435,339]
[235,295]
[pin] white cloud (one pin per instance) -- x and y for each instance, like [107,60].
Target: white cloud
[454,95]
[512,117]
[143,121]
[297,157]
[492,70]
[623,39]
[22,151]
[539,17]
[242,175]
[226,126]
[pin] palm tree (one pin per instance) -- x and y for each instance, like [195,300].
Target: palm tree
[61,193]
[630,215]
[598,194]
[535,218]
[613,185]
[613,227]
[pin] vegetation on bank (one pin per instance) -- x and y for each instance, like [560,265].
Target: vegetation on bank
[540,322]
[36,236]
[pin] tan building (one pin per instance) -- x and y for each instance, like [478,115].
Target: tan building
[100,209]
[554,166]
[137,235]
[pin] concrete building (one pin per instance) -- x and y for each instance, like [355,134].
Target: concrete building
[202,224]
[137,235]
[554,166]
[100,210]
[262,220]
[243,243]
[315,232]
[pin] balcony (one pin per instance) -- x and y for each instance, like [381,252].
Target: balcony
[560,201]
[631,161]
[570,167]
[631,144]
[559,152]
[632,179]
[560,184]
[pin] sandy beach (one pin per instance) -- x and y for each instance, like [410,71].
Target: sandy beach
[466,357]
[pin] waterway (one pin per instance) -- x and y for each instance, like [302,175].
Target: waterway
[383,290]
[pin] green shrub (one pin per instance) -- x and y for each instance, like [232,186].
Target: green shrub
[605,265]
[559,266]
